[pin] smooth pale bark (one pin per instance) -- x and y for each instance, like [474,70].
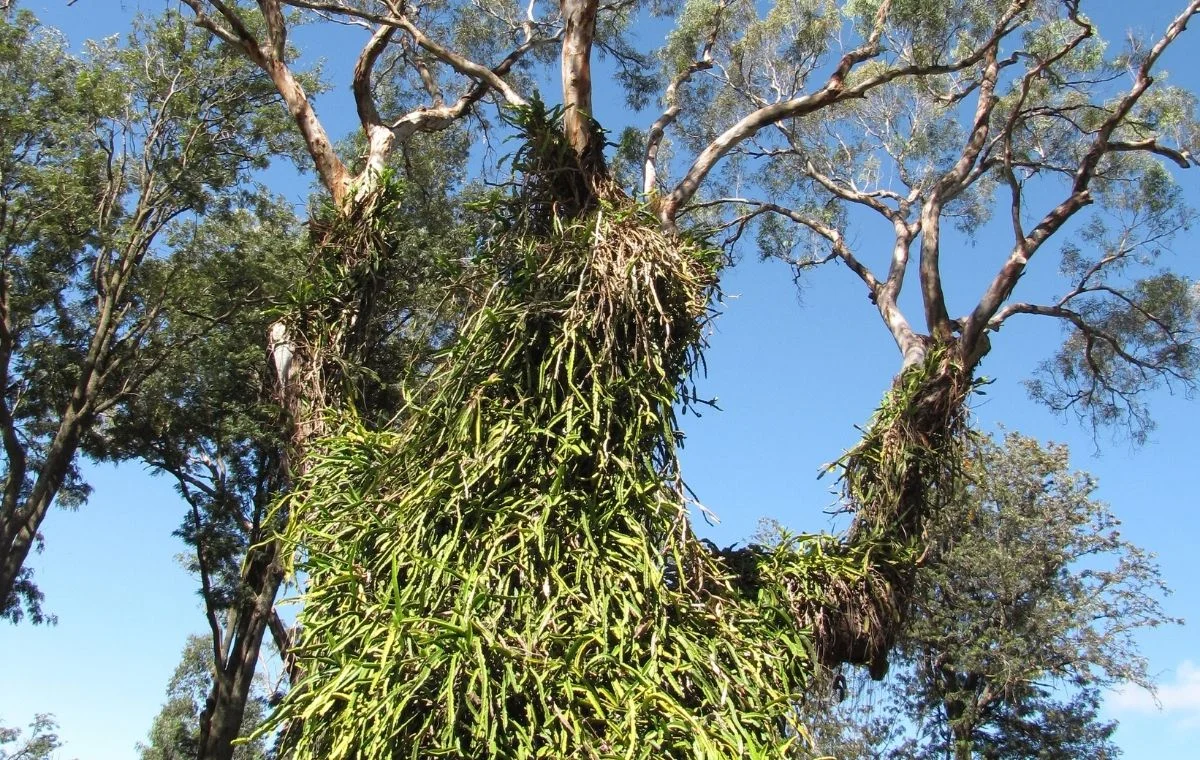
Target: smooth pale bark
[658,129]
[579,30]
[1002,285]
[930,273]
[379,137]
[333,173]
[330,168]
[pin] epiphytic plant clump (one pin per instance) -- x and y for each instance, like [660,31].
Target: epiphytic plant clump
[909,461]
[851,593]
[905,470]
[470,572]
[510,570]
[372,307]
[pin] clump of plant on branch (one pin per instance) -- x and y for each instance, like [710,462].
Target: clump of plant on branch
[370,308]
[904,470]
[852,592]
[908,462]
[470,572]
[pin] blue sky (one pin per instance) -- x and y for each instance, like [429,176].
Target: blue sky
[794,375]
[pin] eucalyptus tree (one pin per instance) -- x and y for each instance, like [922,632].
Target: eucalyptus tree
[1045,129]
[595,308]
[102,155]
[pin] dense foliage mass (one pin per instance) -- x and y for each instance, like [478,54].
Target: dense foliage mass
[523,578]
[101,157]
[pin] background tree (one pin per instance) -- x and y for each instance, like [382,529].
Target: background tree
[40,744]
[210,260]
[209,418]
[101,156]
[1019,627]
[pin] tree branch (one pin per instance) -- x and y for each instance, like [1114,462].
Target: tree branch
[1183,159]
[834,91]
[658,129]
[459,63]
[1005,280]
[276,28]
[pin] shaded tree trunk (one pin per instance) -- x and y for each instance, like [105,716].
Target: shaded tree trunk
[20,519]
[233,677]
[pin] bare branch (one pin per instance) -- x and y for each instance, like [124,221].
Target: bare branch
[1092,333]
[948,185]
[462,64]
[459,63]
[332,171]
[1183,159]
[884,294]
[834,91]
[378,136]
[427,79]
[1005,280]
[431,119]
[671,98]
[836,242]
[244,38]
[206,22]
[870,200]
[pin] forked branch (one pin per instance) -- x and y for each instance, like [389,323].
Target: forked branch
[1102,144]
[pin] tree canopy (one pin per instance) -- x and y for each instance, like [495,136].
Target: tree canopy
[494,539]
[826,117]
[103,155]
